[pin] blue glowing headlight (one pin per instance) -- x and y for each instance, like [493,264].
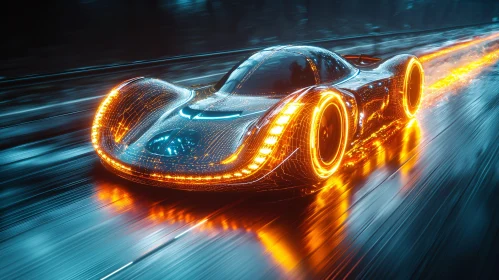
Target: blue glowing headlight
[173,143]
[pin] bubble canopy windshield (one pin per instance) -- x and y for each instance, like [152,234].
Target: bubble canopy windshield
[282,71]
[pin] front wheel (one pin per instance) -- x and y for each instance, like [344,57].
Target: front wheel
[318,138]
[328,134]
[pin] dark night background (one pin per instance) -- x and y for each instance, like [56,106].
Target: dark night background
[49,36]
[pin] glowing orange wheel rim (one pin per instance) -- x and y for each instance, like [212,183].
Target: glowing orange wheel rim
[328,134]
[413,87]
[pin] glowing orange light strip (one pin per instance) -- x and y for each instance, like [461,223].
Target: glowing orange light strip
[457,47]
[97,125]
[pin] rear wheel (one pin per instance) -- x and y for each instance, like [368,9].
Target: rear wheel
[413,87]
[328,134]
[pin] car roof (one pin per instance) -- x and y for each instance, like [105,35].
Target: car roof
[309,51]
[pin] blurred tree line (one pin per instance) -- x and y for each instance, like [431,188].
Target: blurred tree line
[117,30]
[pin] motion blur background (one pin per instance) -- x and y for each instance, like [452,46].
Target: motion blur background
[51,36]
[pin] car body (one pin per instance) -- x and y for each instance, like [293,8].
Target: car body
[281,118]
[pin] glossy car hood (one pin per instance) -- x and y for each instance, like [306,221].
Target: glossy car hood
[196,145]
[225,102]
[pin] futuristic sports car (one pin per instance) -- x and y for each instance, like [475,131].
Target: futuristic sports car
[280,118]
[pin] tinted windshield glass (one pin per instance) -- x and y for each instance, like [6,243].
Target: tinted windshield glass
[280,73]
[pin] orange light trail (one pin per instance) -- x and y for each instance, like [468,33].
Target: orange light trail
[457,47]
[463,73]
[459,76]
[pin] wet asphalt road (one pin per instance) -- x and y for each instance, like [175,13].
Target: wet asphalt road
[424,203]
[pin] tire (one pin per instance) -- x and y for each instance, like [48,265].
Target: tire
[329,134]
